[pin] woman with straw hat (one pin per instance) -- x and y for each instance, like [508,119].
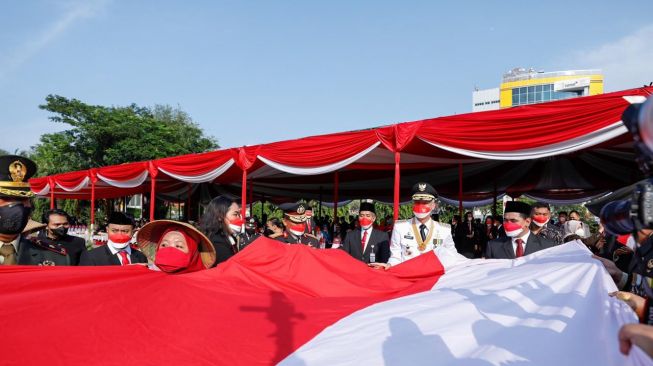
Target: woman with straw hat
[175,247]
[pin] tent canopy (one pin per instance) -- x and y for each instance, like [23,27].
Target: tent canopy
[572,149]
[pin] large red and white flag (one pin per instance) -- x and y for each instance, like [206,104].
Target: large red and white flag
[293,305]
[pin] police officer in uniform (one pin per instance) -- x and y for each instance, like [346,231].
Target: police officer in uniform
[294,218]
[249,235]
[15,210]
[636,283]
[420,234]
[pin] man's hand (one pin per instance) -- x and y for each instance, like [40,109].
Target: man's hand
[379,265]
[637,303]
[612,269]
[640,335]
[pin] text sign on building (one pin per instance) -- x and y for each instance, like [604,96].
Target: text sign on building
[573,84]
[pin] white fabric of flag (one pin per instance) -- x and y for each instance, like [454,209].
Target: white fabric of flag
[548,308]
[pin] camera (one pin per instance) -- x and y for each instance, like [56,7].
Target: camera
[628,216]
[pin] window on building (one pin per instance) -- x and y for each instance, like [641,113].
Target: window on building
[540,93]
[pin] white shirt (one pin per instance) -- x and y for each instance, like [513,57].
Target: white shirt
[524,238]
[367,240]
[115,252]
[15,244]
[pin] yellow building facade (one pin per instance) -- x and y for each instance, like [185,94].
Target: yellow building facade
[521,87]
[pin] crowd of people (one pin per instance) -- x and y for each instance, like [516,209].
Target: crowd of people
[178,247]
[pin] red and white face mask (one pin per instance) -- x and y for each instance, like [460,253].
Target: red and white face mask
[119,241]
[421,210]
[512,229]
[236,225]
[365,222]
[540,220]
[297,229]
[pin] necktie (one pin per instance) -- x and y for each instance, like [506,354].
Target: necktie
[9,253]
[520,248]
[364,239]
[422,231]
[123,258]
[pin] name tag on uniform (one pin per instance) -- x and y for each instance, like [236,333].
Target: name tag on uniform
[409,237]
[437,242]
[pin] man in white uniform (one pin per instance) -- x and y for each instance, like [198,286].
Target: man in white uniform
[420,234]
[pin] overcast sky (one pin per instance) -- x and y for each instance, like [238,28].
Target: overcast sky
[258,71]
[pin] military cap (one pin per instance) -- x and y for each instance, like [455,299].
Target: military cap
[424,192]
[367,205]
[295,212]
[15,172]
[120,218]
[519,207]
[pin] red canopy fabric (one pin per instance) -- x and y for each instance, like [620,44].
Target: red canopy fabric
[582,130]
[254,309]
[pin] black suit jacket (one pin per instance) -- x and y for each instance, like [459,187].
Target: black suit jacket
[223,248]
[502,248]
[74,245]
[101,256]
[378,242]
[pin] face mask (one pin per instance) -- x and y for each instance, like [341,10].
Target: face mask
[580,232]
[297,229]
[119,241]
[365,222]
[540,220]
[512,229]
[250,231]
[13,218]
[421,210]
[267,232]
[236,225]
[171,260]
[59,232]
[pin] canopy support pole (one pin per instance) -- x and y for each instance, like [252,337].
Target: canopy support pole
[188,199]
[52,203]
[152,196]
[397,186]
[251,199]
[460,189]
[243,194]
[92,205]
[336,182]
[494,206]
[319,210]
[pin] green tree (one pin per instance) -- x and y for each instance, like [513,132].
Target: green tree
[100,136]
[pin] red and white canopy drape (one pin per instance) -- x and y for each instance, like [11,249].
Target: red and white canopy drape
[570,149]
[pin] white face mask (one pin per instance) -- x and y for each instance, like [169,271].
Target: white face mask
[236,229]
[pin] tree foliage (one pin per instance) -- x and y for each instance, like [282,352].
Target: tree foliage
[101,136]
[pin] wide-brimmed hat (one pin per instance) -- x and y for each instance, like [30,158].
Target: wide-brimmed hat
[148,238]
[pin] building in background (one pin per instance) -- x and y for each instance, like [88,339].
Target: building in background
[521,87]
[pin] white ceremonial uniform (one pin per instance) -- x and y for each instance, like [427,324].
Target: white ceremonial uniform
[404,244]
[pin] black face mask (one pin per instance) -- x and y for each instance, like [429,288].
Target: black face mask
[13,218]
[59,232]
[249,231]
[268,232]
